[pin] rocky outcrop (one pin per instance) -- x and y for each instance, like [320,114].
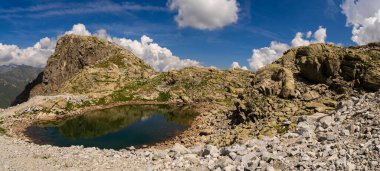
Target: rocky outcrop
[305,80]
[82,63]
[340,68]
[275,80]
[196,84]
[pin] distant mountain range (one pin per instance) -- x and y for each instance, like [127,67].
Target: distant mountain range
[13,79]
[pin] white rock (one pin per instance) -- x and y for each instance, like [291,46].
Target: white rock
[178,148]
[210,150]
[326,121]
[350,166]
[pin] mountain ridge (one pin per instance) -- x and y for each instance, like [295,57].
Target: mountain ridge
[13,79]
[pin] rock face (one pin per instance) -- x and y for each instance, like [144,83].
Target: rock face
[275,80]
[338,67]
[83,63]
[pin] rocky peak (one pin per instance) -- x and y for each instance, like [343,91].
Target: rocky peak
[78,55]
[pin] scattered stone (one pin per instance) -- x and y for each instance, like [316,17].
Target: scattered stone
[206,132]
[326,121]
[180,149]
[210,150]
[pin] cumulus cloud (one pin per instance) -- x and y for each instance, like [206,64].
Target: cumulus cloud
[319,37]
[264,56]
[34,56]
[235,65]
[205,14]
[160,58]
[79,29]
[364,17]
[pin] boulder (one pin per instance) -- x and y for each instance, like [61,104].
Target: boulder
[371,79]
[311,95]
[275,80]
[326,121]
[210,150]
[179,149]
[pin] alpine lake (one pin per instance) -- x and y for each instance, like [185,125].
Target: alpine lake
[115,128]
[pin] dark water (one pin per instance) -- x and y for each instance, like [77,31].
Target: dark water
[116,128]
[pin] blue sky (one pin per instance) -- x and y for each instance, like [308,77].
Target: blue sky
[25,22]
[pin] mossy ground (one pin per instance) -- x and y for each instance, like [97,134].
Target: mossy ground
[2,130]
[115,59]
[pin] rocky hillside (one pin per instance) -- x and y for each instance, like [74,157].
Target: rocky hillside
[83,64]
[13,79]
[304,81]
[312,109]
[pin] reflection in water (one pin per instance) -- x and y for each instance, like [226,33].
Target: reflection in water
[116,127]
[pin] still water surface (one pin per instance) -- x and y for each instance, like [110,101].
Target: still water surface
[116,128]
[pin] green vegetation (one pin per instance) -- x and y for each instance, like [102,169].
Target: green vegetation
[163,96]
[116,59]
[101,101]
[282,129]
[134,86]
[69,106]
[120,97]
[2,131]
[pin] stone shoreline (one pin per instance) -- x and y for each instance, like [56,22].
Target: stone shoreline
[18,123]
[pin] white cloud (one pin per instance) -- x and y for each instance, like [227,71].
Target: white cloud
[264,56]
[320,35]
[299,41]
[160,58]
[35,56]
[364,17]
[79,29]
[205,14]
[309,34]
[237,65]
[357,11]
